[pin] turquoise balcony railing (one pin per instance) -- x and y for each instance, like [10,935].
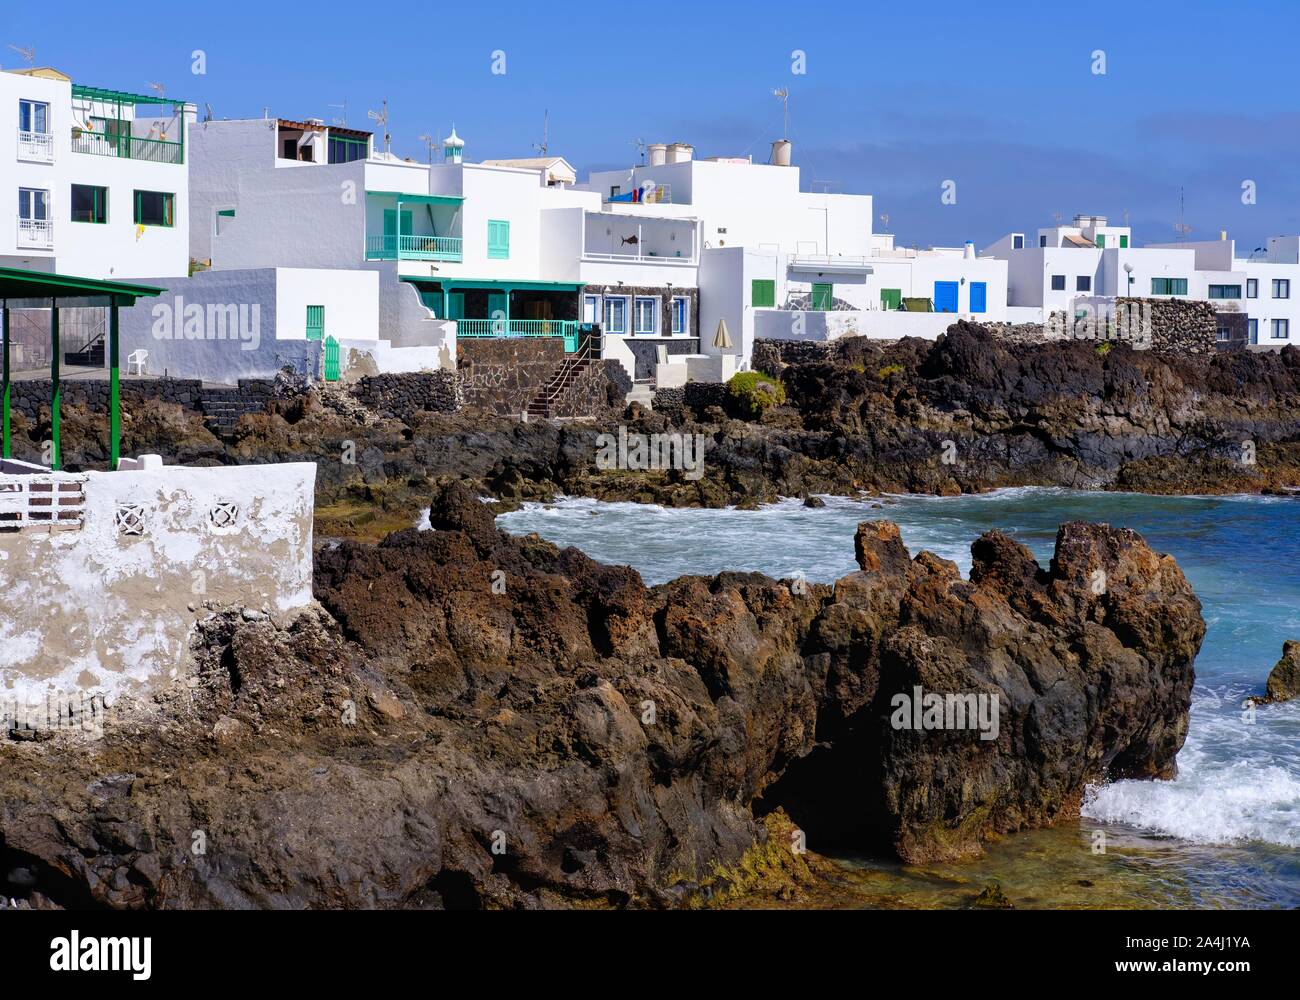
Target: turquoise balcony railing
[566,328]
[128,147]
[413,248]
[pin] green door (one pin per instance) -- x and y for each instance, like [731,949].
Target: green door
[455,305]
[498,306]
[391,232]
[822,297]
[315,322]
[331,360]
[891,298]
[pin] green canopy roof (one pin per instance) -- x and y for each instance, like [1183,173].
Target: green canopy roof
[16,283]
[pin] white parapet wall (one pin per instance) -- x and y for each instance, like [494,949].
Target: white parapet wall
[104,574]
[785,324]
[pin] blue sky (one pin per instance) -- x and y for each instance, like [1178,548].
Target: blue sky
[897,98]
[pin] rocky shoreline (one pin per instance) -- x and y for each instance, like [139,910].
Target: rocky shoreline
[471,719]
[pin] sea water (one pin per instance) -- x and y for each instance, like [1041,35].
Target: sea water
[1225,832]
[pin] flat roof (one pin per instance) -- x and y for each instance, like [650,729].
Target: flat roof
[16,283]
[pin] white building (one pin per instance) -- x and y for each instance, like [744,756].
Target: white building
[98,179]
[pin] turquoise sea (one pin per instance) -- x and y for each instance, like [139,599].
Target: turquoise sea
[1224,833]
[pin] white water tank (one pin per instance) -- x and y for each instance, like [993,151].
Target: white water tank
[781,153]
[658,153]
[680,152]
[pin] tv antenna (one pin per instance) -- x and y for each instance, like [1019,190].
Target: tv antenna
[342,119]
[884,221]
[28,53]
[782,94]
[1181,227]
[544,147]
[382,117]
[640,148]
[158,89]
[207,111]
[429,141]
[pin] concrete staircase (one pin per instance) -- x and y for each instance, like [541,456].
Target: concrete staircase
[643,393]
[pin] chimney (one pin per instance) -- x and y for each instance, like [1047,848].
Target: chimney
[1223,234]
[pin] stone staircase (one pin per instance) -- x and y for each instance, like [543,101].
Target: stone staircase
[222,409]
[643,393]
[575,366]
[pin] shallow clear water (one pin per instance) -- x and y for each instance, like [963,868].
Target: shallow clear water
[1225,832]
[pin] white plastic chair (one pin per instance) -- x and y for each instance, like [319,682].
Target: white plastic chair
[135,362]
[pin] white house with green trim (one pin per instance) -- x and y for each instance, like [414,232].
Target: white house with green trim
[98,179]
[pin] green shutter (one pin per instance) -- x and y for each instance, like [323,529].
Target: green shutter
[315,322]
[1101,241]
[455,305]
[822,297]
[498,240]
[762,293]
[891,298]
[1123,242]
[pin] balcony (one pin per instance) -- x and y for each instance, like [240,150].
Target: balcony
[128,147]
[37,146]
[413,248]
[38,233]
[506,328]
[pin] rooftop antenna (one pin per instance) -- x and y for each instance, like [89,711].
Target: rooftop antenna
[640,148]
[429,141]
[382,118]
[342,119]
[1181,227]
[545,145]
[28,53]
[207,111]
[158,89]
[884,221]
[782,94]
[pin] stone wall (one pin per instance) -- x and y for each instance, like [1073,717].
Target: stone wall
[1180,327]
[1237,327]
[401,395]
[505,375]
[771,355]
[645,351]
[29,396]
[694,396]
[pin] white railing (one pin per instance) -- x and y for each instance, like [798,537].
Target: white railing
[35,146]
[35,233]
[828,260]
[643,258]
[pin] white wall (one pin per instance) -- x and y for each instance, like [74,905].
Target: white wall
[350,298]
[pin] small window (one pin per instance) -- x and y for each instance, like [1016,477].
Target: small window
[1252,330]
[345,149]
[1123,242]
[1100,241]
[1168,286]
[315,322]
[1281,288]
[762,293]
[1225,291]
[1281,329]
[681,314]
[1058,282]
[1252,288]
[1017,243]
[1222,334]
[615,315]
[615,190]
[591,308]
[1042,241]
[155,208]
[646,316]
[34,116]
[89,203]
[33,203]
[1083,283]
[498,239]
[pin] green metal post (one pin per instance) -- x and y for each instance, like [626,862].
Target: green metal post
[4,328]
[56,455]
[114,392]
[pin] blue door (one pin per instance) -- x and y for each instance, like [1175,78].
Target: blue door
[945,296]
[978,296]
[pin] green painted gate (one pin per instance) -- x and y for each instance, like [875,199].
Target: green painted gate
[331,360]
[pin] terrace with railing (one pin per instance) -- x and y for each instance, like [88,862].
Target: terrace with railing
[505,328]
[105,123]
[413,248]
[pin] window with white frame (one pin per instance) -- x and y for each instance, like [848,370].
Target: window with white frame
[681,314]
[1281,329]
[591,308]
[34,116]
[33,204]
[1281,288]
[647,315]
[615,314]
[1252,288]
